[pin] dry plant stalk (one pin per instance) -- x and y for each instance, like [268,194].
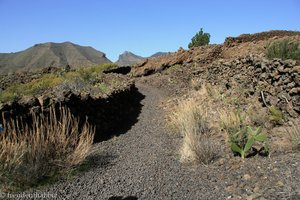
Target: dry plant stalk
[47,147]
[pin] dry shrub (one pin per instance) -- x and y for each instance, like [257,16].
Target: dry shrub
[258,116]
[192,119]
[196,83]
[50,146]
[284,49]
[294,133]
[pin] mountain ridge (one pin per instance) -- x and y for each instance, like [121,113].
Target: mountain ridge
[51,54]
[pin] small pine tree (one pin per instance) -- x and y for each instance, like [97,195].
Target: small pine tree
[200,39]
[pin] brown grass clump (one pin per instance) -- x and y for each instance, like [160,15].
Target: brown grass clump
[48,147]
[192,119]
[294,133]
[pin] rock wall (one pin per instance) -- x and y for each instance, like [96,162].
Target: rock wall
[279,80]
[112,115]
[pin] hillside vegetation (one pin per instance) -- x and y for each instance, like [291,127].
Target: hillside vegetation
[83,80]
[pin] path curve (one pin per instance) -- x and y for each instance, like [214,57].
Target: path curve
[141,164]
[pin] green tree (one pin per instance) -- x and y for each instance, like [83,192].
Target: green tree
[200,39]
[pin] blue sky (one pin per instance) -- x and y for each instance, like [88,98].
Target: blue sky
[143,27]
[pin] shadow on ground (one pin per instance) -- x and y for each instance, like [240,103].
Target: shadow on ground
[96,161]
[122,117]
[111,116]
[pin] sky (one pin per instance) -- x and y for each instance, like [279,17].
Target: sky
[143,27]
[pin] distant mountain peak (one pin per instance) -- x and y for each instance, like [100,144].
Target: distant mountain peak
[128,58]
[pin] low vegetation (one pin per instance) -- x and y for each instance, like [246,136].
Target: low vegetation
[86,78]
[284,49]
[276,115]
[207,114]
[193,121]
[49,147]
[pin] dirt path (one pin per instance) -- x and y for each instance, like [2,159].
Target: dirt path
[143,164]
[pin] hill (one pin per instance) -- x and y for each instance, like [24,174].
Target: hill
[127,58]
[51,55]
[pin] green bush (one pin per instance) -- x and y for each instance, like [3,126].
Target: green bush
[284,49]
[200,39]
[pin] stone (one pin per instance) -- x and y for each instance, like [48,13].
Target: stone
[277,77]
[295,91]
[297,108]
[181,50]
[287,80]
[297,80]
[280,184]
[291,111]
[29,101]
[253,196]
[296,69]
[281,69]
[256,189]
[284,95]
[263,76]
[291,85]
[290,63]
[246,177]
[276,63]
[263,66]
[44,100]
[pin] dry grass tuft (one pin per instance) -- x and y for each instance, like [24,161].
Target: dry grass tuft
[258,116]
[192,119]
[294,133]
[50,146]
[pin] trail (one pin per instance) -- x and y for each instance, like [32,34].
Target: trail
[140,164]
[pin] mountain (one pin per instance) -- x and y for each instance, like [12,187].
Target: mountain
[128,58]
[51,55]
[158,54]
